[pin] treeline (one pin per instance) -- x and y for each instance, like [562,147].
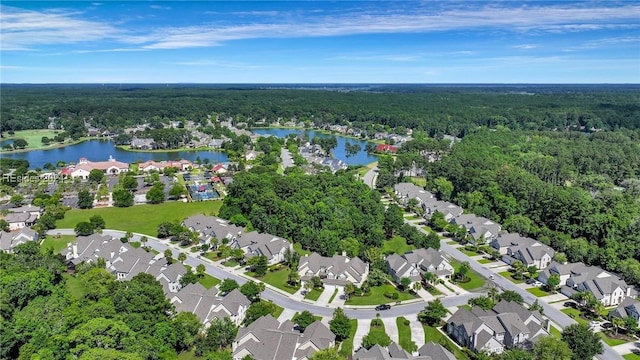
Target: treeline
[438,110]
[326,213]
[577,193]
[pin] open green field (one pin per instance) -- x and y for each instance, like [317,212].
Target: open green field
[142,219]
[297,247]
[397,245]
[33,137]
[418,181]
[347,345]
[538,292]
[432,334]
[631,356]
[475,280]
[313,295]
[376,296]
[404,335]
[74,286]
[57,243]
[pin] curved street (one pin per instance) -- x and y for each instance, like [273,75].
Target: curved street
[278,296]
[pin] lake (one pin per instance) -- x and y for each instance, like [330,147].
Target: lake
[99,150]
[361,158]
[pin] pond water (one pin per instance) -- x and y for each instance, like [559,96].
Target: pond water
[99,150]
[340,153]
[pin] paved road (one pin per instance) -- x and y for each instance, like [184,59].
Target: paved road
[370,176]
[277,296]
[285,155]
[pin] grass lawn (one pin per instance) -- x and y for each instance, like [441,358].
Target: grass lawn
[404,335]
[230,263]
[631,356]
[452,242]
[433,291]
[142,219]
[213,255]
[58,244]
[538,292]
[465,306]
[188,355]
[208,281]
[475,280]
[74,286]
[427,228]
[432,334]
[509,276]
[576,315]
[469,252]
[33,137]
[297,247]
[377,329]
[278,279]
[555,332]
[278,311]
[397,245]
[335,292]
[610,339]
[376,296]
[418,181]
[485,261]
[347,345]
[365,169]
[314,294]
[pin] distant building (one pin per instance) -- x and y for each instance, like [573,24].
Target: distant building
[143,144]
[84,167]
[386,148]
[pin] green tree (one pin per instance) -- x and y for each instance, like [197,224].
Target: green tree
[432,313]
[225,252]
[257,310]
[182,257]
[483,302]
[510,295]
[339,324]
[200,270]
[228,285]
[617,323]
[260,268]
[584,344]
[4,225]
[405,283]
[16,199]
[188,278]
[85,199]
[304,319]
[84,228]
[20,143]
[177,190]
[373,338]
[553,282]
[97,221]
[122,198]
[168,254]
[186,326]
[129,183]
[532,271]
[100,333]
[252,290]
[462,271]
[220,335]
[293,278]
[443,188]
[393,220]
[326,354]
[96,176]
[536,306]
[155,195]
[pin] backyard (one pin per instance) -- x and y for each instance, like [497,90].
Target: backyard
[396,245]
[57,243]
[208,281]
[376,296]
[142,219]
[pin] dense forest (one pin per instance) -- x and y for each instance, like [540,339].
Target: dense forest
[438,110]
[46,313]
[578,193]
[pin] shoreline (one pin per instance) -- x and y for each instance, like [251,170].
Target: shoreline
[128,148]
[51,147]
[321,131]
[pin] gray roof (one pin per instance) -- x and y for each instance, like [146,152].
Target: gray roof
[420,259]
[9,240]
[477,226]
[17,217]
[529,250]
[336,265]
[628,307]
[211,226]
[392,352]
[265,244]
[412,191]
[25,208]
[435,351]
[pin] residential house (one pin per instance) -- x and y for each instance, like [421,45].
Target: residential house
[406,191]
[9,240]
[216,143]
[607,288]
[478,227]
[628,307]
[429,351]
[84,167]
[207,304]
[335,271]
[268,339]
[506,240]
[84,248]
[508,325]
[255,244]
[384,148]
[22,216]
[143,143]
[252,155]
[416,262]
[530,252]
[150,165]
[210,227]
[448,209]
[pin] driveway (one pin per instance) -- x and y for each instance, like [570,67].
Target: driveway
[326,295]
[361,331]
[391,328]
[417,331]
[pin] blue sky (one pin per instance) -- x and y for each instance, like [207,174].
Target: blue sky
[320,42]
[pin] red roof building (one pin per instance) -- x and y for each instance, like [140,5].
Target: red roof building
[386,148]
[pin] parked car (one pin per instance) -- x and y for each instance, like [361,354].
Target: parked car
[607,325]
[383,307]
[530,281]
[571,304]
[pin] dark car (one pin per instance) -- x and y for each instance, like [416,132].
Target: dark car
[607,325]
[571,304]
[383,307]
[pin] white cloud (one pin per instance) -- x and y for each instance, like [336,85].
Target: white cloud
[525,46]
[160,7]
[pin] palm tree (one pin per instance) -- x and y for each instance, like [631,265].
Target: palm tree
[617,323]
[518,268]
[429,277]
[493,293]
[533,271]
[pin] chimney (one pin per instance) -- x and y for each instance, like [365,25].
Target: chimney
[344,253]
